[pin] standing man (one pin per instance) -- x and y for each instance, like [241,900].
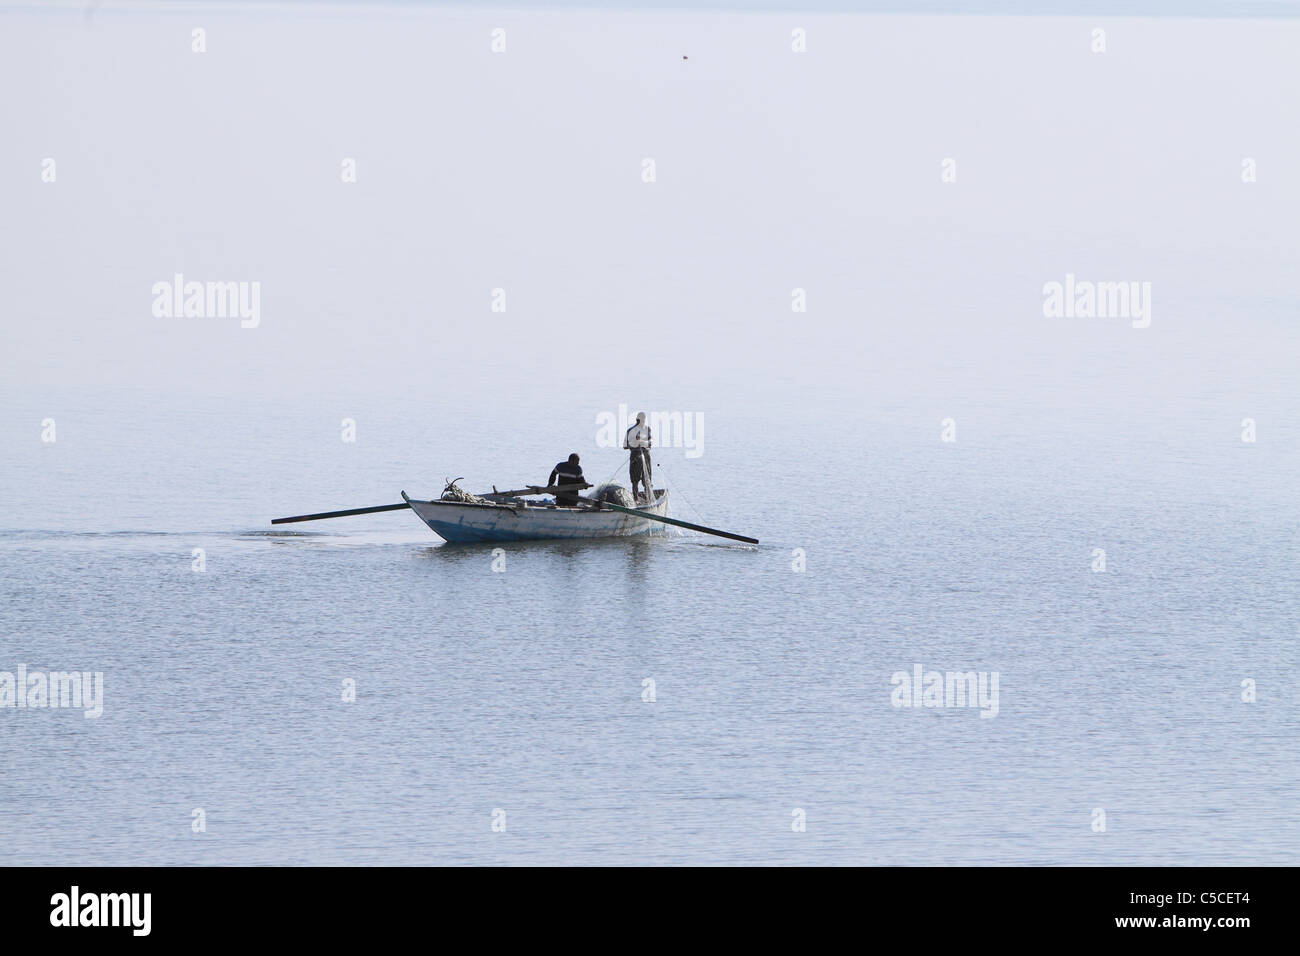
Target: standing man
[637,441]
[570,473]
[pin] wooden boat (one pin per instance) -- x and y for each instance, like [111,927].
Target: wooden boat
[504,517]
[507,515]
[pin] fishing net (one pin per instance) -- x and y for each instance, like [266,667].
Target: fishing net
[615,494]
[454,492]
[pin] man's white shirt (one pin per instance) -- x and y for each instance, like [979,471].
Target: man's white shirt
[638,436]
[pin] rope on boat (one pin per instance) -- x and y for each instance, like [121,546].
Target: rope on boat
[609,479]
[677,493]
[454,492]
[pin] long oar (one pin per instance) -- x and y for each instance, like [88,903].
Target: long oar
[340,514]
[531,490]
[680,524]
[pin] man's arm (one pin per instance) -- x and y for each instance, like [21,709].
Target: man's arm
[550,482]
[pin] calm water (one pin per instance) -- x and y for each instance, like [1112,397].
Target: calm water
[522,690]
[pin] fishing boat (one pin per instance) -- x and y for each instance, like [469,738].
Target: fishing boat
[511,517]
[498,516]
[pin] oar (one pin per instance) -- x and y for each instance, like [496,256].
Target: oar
[680,524]
[532,490]
[340,514]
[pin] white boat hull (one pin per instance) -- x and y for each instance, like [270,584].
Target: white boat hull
[462,522]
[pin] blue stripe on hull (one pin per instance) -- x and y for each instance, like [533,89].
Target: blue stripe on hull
[460,534]
[463,534]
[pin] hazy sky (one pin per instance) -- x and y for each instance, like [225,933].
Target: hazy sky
[523,170]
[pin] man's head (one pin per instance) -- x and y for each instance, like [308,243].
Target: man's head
[640,418]
[573,459]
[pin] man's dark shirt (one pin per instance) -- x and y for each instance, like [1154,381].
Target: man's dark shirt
[567,474]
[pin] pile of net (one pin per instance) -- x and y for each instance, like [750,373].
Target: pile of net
[454,492]
[616,494]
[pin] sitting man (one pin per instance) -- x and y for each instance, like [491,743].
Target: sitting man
[569,473]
